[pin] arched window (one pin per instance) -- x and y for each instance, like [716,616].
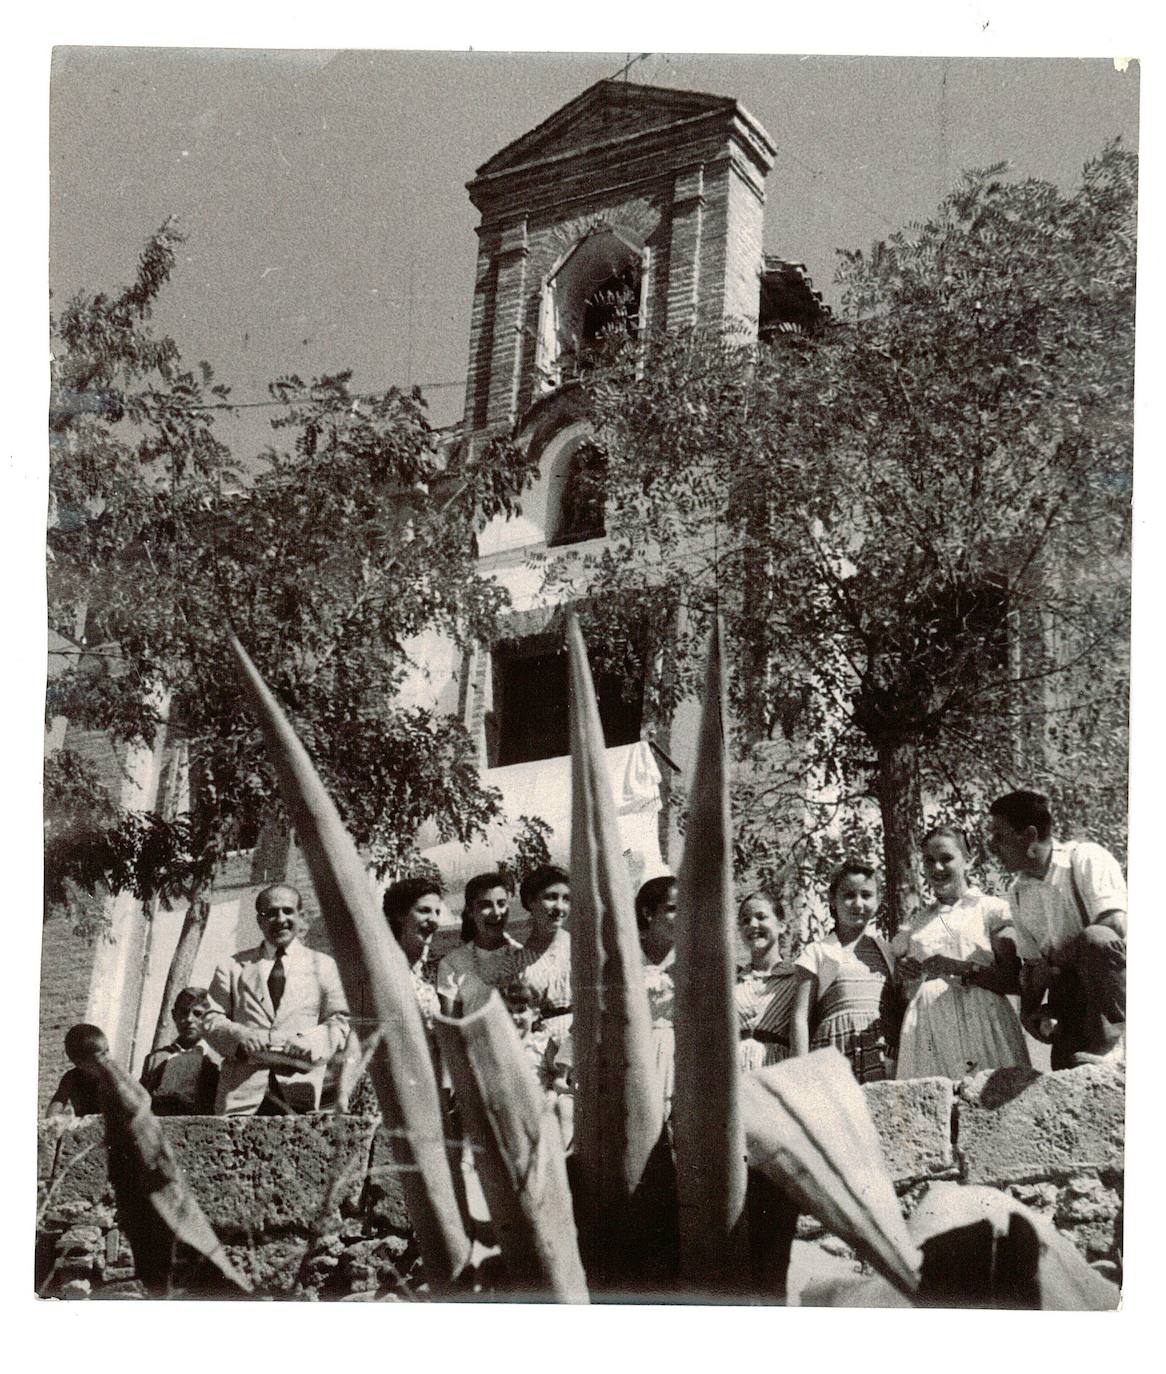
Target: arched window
[565,504]
[584,495]
[593,295]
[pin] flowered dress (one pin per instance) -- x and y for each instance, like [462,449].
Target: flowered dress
[424,975]
[661,1003]
[764,1001]
[854,1006]
[949,1030]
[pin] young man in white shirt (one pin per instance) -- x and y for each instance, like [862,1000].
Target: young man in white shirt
[1068,907]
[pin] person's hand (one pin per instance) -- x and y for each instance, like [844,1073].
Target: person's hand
[1039,1025]
[252,1041]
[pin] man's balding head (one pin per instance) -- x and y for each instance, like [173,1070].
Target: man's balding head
[279,910]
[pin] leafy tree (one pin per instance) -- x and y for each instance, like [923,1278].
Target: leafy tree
[350,536]
[915,521]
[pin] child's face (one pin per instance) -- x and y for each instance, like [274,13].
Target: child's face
[550,908]
[520,1004]
[945,865]
[188,1019]
[90,1064]
[855,902]
[760,929]
[662,918]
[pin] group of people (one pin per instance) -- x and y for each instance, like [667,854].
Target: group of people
[937,999]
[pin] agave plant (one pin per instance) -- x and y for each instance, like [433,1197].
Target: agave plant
[700,1208]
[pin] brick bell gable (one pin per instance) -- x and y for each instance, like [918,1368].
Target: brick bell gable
[679,175]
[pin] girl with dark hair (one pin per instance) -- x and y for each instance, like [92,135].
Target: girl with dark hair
[544,962]
[845,995]
[413,908]
[765,985]
[485,959]
[954,965]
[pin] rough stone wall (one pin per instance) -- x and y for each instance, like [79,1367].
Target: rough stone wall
[306,1206]
[310,1206]
[1055,1142]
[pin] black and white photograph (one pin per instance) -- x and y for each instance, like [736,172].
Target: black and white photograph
[586,733]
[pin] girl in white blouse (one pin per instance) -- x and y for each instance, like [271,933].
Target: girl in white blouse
[953,964]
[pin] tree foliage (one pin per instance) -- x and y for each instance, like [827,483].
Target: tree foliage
[349,537]
[915,522]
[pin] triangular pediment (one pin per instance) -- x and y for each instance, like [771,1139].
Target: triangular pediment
[604,113]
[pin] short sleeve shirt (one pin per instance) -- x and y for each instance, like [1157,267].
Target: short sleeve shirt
[467,974]
[825,959]
[1045,914]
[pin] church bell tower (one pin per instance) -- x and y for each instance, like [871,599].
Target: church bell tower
[634,205]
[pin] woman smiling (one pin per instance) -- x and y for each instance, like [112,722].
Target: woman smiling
[485,958]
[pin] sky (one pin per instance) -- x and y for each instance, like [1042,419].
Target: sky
[323,193]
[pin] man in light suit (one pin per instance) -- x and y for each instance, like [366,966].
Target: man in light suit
[277,1016]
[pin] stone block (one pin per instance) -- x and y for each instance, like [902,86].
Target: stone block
[258,1174]
[1018,1124]
[71,1171]
[913,1119]
[1086,1199]
[250,1174]
[272,1265]
[1040,1197]
[384,1197]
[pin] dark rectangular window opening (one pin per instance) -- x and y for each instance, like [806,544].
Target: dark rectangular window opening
[530,707]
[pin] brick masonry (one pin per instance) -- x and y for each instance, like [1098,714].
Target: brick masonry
[65,966]
[312,1204]
[685,182]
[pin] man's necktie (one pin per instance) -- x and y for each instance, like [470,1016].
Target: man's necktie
[277,980]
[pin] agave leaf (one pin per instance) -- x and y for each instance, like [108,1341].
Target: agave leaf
[519,1152]
[807,1128]
[706,1118]
[982,1248]
[619,1109]
[155,1205]
[369,958]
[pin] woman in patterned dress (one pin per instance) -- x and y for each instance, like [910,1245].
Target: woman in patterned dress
[954,963]
[766,985]
[656,918]
[413,909]
[484,960]
[544,962]
[845,995]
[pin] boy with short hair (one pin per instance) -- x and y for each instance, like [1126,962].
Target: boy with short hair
[182,1077]
[77,1092]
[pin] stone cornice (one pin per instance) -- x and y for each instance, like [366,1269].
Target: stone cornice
[654,153]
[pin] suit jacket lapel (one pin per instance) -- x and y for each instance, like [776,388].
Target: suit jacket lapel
[255,980]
